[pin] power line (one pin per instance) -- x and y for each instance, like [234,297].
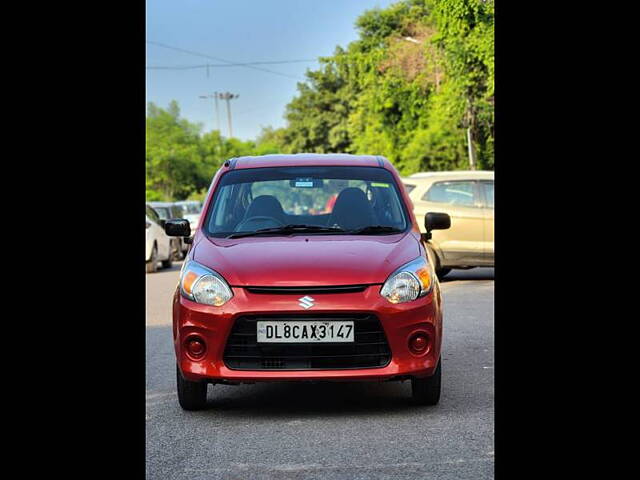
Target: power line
[217,65]
[198,54]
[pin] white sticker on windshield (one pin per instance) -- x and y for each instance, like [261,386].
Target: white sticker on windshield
[304,184]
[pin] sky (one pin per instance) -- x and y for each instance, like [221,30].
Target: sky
[242,31]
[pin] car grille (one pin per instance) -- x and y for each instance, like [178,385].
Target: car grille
[308,290]
[368,350]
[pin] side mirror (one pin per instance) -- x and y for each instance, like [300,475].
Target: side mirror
[435,221]
[162,222]
[177,227]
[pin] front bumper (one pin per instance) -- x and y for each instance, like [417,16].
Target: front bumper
[399,323]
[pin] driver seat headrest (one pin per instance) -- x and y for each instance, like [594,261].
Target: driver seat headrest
[265,206]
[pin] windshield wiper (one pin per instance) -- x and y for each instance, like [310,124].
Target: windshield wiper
[373,229]
[286,229]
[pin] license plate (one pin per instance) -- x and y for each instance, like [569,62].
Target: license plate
[304,332]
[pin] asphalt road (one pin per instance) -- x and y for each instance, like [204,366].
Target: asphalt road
[329,431]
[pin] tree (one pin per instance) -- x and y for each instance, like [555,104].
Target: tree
[413,87]
[172,153]
[419,76]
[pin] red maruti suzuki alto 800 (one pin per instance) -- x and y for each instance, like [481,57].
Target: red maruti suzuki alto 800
[307,268]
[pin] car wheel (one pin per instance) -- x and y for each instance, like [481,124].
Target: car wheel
[152,264]
[426,391]
[191,395]
[169,261]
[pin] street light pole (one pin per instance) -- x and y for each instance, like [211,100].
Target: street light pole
[472,152]
[470,123]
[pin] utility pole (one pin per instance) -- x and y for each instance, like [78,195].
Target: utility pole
[214,95]
[228,96]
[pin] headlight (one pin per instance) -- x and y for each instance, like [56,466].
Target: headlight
[203,285]
[413,280]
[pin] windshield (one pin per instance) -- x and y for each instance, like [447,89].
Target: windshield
[320,200]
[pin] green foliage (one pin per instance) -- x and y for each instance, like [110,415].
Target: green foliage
[420,74]
[172,152]
[180,162]
[317,119]
[199,195]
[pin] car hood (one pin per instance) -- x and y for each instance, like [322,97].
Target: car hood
[312,260]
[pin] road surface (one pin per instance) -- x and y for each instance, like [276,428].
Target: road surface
[329,431]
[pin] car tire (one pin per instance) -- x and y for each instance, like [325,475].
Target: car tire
[191,395]
[152,264]
[433,258]
[168,262]
[426,391]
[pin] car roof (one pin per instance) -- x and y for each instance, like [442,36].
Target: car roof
[306,159]
[161,204]
[182,202]
[456,174]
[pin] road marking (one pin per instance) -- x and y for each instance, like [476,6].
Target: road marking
[154,399]
[151,396]
[262,467]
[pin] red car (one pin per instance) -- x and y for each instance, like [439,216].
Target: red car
[275,288]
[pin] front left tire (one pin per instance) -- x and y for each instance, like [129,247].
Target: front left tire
[191,395]
[426,391]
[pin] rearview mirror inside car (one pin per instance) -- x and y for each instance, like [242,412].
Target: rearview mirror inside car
[306,183]
[177,227]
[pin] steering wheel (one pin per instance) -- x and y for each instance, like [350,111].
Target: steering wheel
[242,226]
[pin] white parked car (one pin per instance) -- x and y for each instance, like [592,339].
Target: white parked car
[191,209]
[167,211]
[158,242]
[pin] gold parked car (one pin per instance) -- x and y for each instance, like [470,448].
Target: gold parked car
[467,196]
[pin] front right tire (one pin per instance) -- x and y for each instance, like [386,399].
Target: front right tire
[191,395]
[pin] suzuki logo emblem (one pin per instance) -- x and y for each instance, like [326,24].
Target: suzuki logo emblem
[306,302]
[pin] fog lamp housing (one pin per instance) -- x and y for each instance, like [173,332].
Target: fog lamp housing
[419,343]
[195,347]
